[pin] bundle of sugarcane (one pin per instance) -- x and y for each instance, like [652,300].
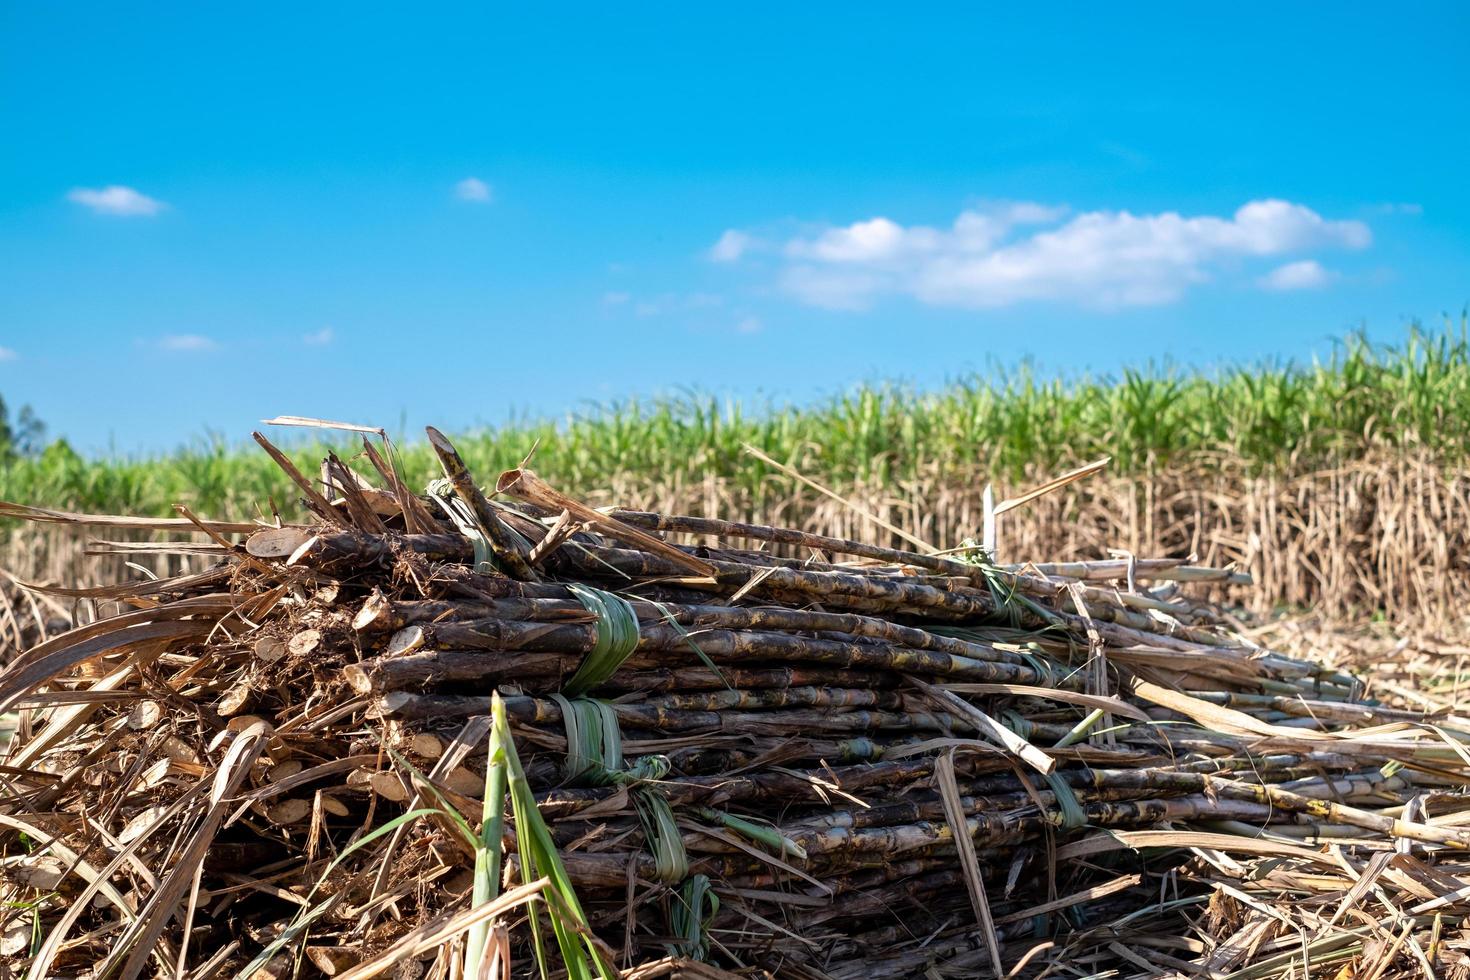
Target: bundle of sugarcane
[417,731]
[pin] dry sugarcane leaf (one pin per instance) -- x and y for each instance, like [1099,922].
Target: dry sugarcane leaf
[1121,883]
[48,516]
[154,916]
[1118,840]
[1072,476]
[434,934]
[911,539]
[1108,704]
[1013,743]
[1214,716]
[174,622]
[954,812]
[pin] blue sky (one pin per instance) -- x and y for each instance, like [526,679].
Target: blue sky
[210,215]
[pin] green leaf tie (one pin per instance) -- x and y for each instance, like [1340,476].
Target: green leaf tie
[694,908]
[1045,676]
[594,741]
[595,757]
[617,637]
[1069,810]
[661,832]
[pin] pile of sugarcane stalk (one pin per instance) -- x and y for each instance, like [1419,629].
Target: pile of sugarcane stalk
[461,733]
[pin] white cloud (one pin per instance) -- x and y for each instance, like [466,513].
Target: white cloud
[879,239]
[1306,274]
[6,354]
[1003,254]
[186,342]
[833,290]
[863,241]
[117,200]
[732,245]
[474,189]
[616,298]
[749,324]
[319,338]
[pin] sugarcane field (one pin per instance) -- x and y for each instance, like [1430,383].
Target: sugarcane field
[480,721]
[777,492]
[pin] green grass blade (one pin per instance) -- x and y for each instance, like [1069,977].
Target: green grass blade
[540,858]
[487,853]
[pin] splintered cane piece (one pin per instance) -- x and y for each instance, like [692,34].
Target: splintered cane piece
[416,516]
[318,504]
[528,486]
[508,553]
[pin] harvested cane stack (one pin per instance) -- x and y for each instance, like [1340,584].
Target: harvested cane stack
[408,738]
